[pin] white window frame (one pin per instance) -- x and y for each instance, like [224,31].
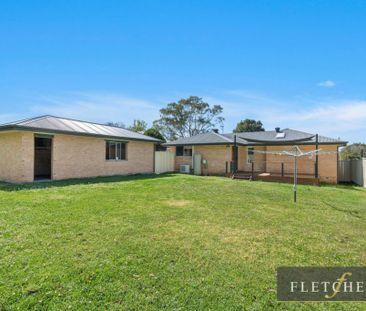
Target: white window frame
[117,157]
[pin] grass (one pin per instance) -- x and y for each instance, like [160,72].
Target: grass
[171,242]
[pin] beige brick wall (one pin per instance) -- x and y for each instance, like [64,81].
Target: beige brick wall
[328,165]
[217,156]
[16,156]
[259,159]
[77,156]
[327,162]
[180,160]
[306,165]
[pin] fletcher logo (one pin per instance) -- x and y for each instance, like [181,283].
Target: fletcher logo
[321,284]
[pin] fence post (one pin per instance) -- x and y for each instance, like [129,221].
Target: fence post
[282,169]
[252,177]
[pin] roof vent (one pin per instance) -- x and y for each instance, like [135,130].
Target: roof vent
[278,129]
[215,131]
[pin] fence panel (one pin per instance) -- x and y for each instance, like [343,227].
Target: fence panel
[352,171]
[344,171]
[164,161]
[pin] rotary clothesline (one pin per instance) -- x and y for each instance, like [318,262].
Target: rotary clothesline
[296,152]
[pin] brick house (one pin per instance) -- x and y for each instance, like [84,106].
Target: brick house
[249,153]
[55,148]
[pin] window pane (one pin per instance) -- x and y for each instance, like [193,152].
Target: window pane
[179,150]
[112,151]
[187,151]
[115,150]
[123,151]
[118,153]
[107,150]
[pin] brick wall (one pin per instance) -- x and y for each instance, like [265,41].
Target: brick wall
[180,160]
[327,162]
[217,156]
[259,159]
[16,156]
[77,156]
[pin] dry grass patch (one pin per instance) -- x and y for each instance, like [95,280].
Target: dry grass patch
[178,203]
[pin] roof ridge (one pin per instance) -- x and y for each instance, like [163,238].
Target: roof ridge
[222,136]
[32,123]
[24,120]
[91,122]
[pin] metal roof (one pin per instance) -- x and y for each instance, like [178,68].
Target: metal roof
[289,137]
[52,124]
[202,139]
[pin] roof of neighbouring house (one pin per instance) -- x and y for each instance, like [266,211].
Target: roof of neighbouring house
[52,124]
[283,137]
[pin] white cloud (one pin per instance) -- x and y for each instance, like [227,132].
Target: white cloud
[345,118]
[327,84]
[98,107]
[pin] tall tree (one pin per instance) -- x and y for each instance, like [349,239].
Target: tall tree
[249,125]
[154,132]
[188,117]
[354,151]
[116,124]
[139,126]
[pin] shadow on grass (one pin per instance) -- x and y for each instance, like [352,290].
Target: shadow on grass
[354,213]
[79,181]
[346,186]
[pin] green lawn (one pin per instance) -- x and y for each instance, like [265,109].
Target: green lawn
[172,242]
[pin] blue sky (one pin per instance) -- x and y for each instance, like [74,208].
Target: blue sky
[298,64]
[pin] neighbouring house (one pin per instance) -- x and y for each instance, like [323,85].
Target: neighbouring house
[49,147]
[249,154]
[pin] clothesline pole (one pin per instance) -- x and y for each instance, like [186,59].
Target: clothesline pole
[296,152]
[295,179]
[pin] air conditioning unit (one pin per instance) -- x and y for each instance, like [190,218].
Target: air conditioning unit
[185,169]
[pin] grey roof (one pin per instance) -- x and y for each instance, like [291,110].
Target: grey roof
[202,139]
[52,124]
[256,138]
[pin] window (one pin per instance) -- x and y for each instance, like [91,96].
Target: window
[115,150]
[187,151]
[183,151]
[250,156]
[179,151]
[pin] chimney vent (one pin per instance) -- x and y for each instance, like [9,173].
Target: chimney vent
[278,130]
[215,131]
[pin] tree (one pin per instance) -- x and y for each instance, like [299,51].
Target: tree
[154,132]
[116,124]
[188,117]
[354,151]
[139,126]
[249,125]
